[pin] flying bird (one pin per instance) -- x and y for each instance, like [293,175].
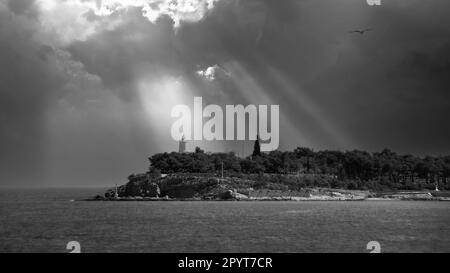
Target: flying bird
[360,31]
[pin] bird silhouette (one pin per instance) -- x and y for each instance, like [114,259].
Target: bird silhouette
[360,31]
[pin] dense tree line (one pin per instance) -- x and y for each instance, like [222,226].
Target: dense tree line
[351,169]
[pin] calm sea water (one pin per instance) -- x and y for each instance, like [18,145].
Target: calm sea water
[45,220]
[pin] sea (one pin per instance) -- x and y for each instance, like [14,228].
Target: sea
[47,219]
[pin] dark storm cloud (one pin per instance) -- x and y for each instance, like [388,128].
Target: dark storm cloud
[45,98]
[21,6]
[384,89]
[121,55]
[71,95]
[27,81]
[392,83]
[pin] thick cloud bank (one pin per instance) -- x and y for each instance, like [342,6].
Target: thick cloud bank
[86,87]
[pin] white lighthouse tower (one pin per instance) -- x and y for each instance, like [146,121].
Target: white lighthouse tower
[182,145]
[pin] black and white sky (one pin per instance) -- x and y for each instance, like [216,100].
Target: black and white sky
[87,86]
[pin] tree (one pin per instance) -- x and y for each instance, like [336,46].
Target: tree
[256,147]
[383,170]
[154,173]
[303,152]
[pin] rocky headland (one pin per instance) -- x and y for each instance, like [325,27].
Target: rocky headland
[145,187]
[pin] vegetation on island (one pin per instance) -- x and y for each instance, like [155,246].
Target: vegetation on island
[288,175]
[303,167]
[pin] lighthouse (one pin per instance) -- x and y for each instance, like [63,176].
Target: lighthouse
[182,145]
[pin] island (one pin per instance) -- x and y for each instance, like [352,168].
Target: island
[299,175]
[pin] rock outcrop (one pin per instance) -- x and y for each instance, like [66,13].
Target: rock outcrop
[231,195]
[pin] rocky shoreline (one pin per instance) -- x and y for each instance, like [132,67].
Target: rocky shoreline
[190,187]
[327,195]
